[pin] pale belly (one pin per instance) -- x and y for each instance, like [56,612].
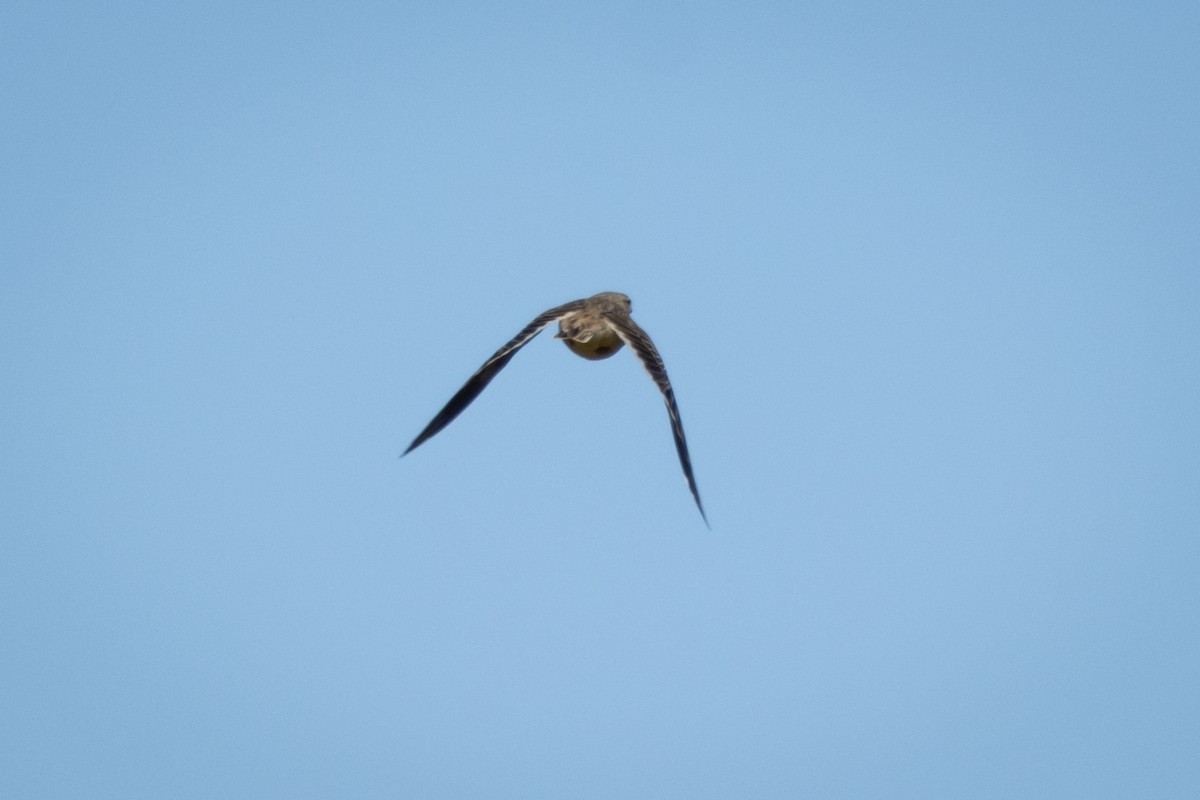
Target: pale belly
[602,345]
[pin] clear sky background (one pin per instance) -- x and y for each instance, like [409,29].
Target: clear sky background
[927,281]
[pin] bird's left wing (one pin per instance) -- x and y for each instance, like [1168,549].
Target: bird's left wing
[483,376]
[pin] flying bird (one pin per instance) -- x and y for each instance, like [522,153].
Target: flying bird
[594,328]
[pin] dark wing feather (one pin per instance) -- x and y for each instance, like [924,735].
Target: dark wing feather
[647,353]
[483,376]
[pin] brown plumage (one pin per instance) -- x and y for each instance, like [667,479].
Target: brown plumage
[594,328]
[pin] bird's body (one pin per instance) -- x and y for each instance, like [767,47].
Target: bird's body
[595,328]
[588,332]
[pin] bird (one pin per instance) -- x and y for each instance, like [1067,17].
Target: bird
[594,328]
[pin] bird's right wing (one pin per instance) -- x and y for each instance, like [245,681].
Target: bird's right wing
[639,342]
[483,376]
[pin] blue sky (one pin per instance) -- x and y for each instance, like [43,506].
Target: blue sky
[927,281]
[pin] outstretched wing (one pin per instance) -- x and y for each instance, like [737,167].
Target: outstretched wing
[647,353]
[483,376]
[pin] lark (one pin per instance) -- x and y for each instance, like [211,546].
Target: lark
[594,328]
